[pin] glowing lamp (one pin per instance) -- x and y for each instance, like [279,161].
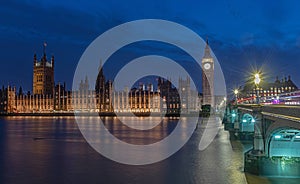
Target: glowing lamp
[257,79]
[236,91]
[277,136]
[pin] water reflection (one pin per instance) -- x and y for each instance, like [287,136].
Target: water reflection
[124,144]
[52,150]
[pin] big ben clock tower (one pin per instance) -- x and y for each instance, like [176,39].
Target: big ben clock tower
[208,77]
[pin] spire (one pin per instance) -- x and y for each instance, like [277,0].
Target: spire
[86,79]
[20,91]
[34,59]
[81,85]
[207,50]
[277,79]
[52,61]
[86,83]
[100,66]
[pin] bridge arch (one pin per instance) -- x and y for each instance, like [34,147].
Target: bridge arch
[284,142]
[247,123]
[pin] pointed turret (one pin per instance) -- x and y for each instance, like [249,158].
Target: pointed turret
[52,61]
[20,91]
[81,85]
[34,59]
[86,83]
[100,82]
[277,80]
[100,67]
[207,50]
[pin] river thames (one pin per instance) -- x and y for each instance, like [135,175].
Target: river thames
[53,150]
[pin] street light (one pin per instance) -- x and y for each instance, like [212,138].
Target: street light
[256,82]
[236,92]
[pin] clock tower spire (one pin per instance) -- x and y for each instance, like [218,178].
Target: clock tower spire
[208,77]
[207,50]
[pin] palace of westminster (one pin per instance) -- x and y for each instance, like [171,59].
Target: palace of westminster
[48,97]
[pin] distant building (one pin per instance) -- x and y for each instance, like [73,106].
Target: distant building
[266,89]
[8,99]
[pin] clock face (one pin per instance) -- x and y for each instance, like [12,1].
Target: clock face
[207,66]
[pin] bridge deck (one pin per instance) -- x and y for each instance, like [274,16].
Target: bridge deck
[279,111]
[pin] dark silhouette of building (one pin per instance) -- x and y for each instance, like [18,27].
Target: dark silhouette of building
[169,95]
[7,99]
[103,91]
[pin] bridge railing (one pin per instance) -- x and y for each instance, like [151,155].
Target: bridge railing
[292,111]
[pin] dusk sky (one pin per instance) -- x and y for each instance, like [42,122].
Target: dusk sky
[244,35]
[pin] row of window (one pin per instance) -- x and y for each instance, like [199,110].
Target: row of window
[32,103]
[274,90]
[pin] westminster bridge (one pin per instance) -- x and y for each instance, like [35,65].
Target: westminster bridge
[275,132]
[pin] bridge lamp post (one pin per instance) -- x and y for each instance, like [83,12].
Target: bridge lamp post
[236,92]
[256,82]
[233,116]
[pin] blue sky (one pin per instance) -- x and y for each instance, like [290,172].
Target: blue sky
[244,35]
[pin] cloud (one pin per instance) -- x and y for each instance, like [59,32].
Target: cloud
[240,33]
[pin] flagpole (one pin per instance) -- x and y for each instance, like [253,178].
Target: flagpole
[45,45]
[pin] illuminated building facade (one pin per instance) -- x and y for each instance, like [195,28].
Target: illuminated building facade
[267,90]
[48,97]
[43,75]
[137,100]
